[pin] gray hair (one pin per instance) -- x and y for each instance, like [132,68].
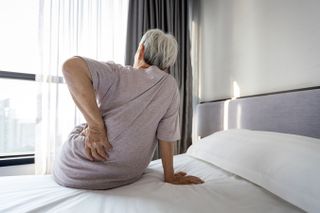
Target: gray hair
[160,49]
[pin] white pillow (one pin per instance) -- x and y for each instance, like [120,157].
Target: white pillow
[284,164]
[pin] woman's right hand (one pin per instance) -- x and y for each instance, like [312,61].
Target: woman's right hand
[181,178]
[96,143]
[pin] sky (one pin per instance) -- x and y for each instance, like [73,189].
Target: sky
[19,52]
[19,36]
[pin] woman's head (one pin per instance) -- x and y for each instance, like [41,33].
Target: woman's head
[157,48]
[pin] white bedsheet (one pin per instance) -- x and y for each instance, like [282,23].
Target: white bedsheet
[221,192]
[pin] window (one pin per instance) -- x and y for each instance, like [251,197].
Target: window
[18,113]
[19,63]
[19,35]
[37,36]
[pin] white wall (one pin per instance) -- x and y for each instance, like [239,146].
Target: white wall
[262,45]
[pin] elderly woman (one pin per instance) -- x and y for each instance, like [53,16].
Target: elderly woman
[127,111]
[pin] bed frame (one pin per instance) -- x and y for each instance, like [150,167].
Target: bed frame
[294,112]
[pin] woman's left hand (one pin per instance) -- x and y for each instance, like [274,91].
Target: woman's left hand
[96,143]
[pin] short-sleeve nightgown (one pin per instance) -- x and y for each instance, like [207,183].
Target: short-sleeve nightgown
[139,107]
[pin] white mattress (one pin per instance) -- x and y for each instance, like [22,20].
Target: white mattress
[221,192]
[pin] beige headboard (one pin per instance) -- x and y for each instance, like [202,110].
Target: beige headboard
[295,112]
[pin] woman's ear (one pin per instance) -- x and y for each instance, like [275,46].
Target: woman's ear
[141,52]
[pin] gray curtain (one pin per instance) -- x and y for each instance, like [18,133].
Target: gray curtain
[170,16]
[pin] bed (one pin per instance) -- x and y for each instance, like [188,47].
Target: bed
[269,168]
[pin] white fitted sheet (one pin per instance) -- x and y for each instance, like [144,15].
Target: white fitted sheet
[221,192]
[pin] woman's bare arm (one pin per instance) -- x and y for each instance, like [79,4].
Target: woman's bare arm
[166,151]
[79,81]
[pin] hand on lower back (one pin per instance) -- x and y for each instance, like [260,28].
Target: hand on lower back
[181,178]
[96,143]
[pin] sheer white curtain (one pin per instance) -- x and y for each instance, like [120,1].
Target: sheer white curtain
[91,28]
[194,29]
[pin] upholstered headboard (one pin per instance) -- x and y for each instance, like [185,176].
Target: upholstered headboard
[295,112]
